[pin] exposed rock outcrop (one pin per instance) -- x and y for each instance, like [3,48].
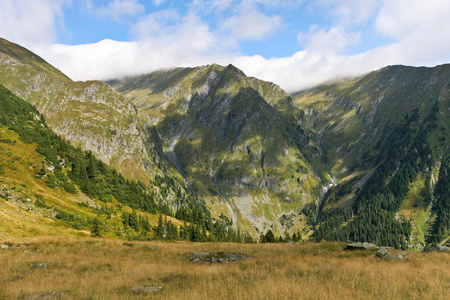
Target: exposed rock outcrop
[361,246]
[216,258]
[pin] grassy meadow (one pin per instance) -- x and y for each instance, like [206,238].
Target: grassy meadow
[95,268]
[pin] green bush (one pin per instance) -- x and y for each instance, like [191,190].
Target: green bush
[70,188]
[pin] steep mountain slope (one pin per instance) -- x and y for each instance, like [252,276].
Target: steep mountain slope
[49,187]
[88,114]
[42,190]
[385,136]
[365,159]
[236,141]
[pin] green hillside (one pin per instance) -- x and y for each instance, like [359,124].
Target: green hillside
[59,189]
[385,136]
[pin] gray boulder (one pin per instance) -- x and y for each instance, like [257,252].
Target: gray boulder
[145,289]
[444,249]
[361,246]
[400,256]
[384,254]
[200,254]
[216,258]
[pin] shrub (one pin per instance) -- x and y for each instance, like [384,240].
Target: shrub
[70,188]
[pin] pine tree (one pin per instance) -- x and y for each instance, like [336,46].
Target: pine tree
[160,227]
[96,228]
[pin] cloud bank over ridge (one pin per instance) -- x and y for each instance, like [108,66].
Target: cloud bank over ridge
[357,36]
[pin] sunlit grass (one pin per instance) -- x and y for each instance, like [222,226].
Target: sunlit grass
[88,268]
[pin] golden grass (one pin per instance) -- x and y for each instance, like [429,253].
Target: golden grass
[89,268]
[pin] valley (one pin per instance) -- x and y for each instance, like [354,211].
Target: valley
[231,157]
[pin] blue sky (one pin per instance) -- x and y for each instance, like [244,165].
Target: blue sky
[294,43]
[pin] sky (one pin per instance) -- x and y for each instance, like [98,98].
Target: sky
[294,43]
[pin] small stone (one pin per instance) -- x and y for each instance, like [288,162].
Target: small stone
[400,256]
[29,253]
[18,277]
[42,265]
[53,295]
[145,289]
[4,246]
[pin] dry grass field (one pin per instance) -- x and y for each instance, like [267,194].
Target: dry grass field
[92,268]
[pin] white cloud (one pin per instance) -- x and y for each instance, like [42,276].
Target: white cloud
[418,31]
[169,31]
[250,24]
[158,2]
[31,21]
[350,12]
[305,69]
[335,40]
[117,9]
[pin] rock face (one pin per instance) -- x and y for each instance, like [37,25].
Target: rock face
[235,139]
[216,258]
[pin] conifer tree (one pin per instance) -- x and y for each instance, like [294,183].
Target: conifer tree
[96,228]
[160,227]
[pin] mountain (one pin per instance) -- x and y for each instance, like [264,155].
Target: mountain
[363,159]
[234,139]
[42,188]
[89,114]
[385,139]
[49,187]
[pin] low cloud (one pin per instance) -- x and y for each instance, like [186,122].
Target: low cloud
[415,32]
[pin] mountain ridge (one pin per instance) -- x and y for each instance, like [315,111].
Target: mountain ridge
[318,163]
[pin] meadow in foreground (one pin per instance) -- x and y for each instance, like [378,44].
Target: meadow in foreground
[93,268]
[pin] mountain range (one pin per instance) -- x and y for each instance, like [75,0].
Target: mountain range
[361,159]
